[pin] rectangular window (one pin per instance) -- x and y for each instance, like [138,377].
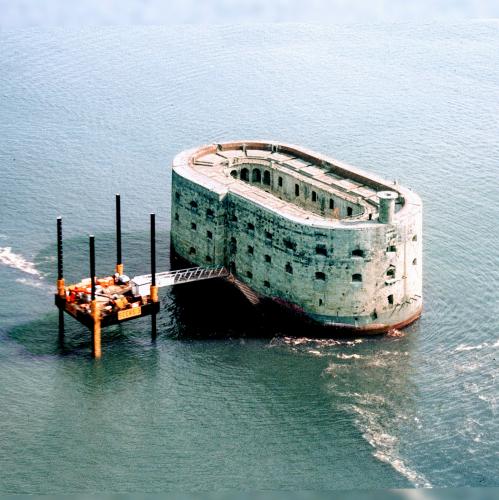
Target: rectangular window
[193,226]
[297,190]
[290,245]
[251,226]
[209,235]
[390,299]
[268,235]
[279,181]
[331,204]
[250,249]
[266,284]
[314,196]
[349,211]
[321,250]
[268,259]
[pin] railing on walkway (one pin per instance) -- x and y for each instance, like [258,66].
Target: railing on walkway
[141,284]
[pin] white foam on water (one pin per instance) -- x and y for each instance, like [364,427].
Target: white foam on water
[3,236]
[491,402]
[467,368]
[298,341]
[319,342]
[315,352]
[394,333]
[10,259]
[333,367]
[312,344]
[349,356]
[376,362]
[483,345]
[36,284]
[32,283]
[472,429]
[385,444]
[375,414]
[463,347]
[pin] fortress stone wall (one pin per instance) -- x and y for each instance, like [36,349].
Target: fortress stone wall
[349,255]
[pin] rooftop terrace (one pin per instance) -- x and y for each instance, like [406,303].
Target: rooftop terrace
[292,181]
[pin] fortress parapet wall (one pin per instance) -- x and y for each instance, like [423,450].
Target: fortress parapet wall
[362,270]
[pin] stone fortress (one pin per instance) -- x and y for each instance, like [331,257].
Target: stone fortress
[340,246]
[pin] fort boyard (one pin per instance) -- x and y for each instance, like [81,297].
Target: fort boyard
[337,245]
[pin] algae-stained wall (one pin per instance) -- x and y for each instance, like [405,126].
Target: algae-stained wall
[355,273]
[198,223]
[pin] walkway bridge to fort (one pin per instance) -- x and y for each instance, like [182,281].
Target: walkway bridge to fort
[141,284]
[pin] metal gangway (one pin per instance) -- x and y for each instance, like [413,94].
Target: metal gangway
[141,284]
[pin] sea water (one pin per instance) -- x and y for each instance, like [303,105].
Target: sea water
[222,399]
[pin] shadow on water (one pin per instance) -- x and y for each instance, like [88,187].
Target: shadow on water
[127,352]
[41,337]
[213,309]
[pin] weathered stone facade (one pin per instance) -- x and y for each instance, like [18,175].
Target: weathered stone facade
[305,230]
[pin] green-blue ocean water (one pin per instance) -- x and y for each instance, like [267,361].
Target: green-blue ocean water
[223,400]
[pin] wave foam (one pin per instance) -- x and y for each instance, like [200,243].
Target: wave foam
[385,445]
[375,414]
[315,352]
[394,353]
[10,259]
[349,356]
[478,347]
[317,342]
[394,333]
[35,284]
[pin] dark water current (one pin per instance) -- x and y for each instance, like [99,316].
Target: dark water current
[222,399]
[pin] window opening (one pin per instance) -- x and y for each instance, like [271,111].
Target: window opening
[321,250]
